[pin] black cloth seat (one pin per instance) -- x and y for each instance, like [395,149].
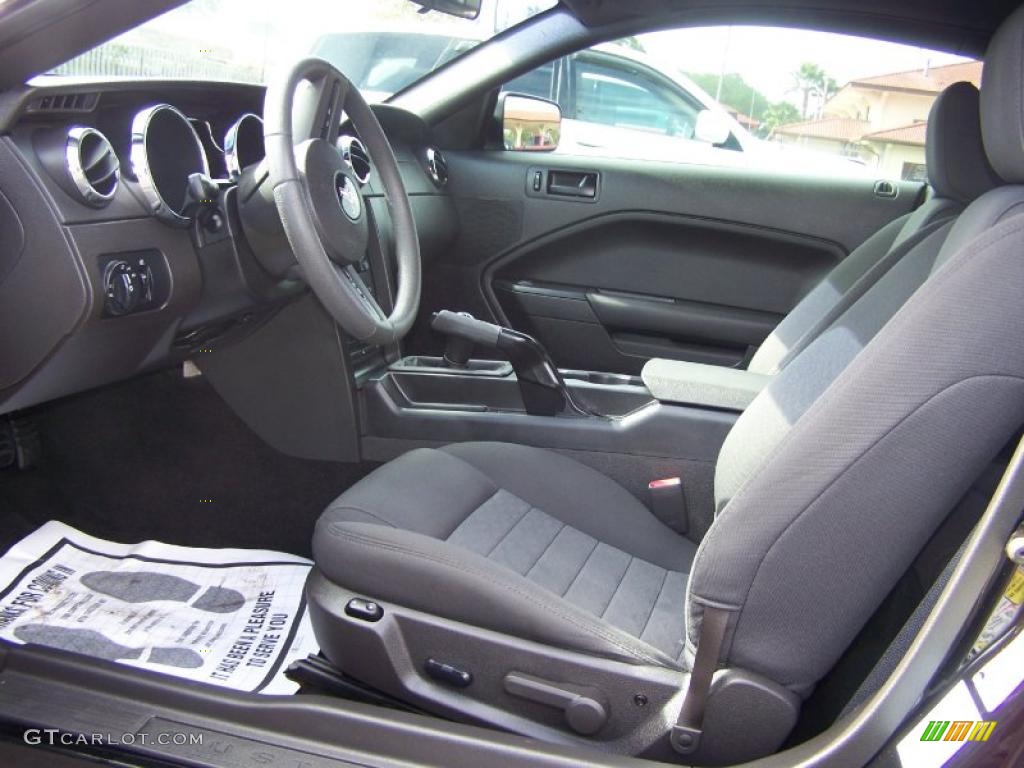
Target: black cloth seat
[516,539]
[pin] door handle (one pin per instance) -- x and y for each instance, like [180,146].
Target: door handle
[573,184]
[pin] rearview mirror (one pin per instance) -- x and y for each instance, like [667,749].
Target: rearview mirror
[529,124]
[464,9]
[712,127]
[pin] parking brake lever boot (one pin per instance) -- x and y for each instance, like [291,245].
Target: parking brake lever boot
[540,384]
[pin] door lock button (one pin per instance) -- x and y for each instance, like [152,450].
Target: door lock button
[364,610]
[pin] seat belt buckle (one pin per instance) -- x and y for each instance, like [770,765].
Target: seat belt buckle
[668,503]
[685,740]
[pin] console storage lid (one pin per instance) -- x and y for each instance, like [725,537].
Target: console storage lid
[676,381]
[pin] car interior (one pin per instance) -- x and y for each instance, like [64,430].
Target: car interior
[604,458]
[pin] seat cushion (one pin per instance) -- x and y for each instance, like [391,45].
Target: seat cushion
[514,539]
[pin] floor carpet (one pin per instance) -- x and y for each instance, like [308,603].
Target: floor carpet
[162,457]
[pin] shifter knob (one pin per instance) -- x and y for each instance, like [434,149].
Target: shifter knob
[458,350]
[544,393]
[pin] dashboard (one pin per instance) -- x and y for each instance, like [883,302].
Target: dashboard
[124,240]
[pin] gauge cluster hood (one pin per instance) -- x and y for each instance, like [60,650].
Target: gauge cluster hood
[37,35]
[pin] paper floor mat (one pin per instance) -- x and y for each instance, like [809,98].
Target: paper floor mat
[229,617]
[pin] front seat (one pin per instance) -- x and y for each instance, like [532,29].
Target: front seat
[509,585]
[958,173]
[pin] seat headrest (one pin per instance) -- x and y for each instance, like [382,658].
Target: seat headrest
[1002,99]
[958,168]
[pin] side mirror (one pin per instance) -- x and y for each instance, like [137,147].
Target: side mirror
[712,127]
[529,124]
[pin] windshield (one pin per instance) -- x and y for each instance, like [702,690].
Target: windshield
[381,45]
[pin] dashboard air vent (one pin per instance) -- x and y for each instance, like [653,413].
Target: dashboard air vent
[437,167]
[92,165]
[65,102]
[358,159]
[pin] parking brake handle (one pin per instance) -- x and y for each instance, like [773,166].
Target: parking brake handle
[541,385]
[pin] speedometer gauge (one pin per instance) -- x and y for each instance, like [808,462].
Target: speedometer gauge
[165,151]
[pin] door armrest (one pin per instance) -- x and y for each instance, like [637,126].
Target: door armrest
[675,381]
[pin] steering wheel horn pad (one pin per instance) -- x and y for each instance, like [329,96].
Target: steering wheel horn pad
[339,211]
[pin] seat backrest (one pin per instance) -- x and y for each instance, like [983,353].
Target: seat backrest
[958,173]
[836,475]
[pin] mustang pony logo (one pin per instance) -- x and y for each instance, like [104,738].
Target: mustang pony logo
[958,730]
[348,196]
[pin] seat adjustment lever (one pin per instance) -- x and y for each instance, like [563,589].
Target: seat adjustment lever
[584,714]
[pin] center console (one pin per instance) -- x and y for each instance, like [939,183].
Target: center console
[528,382]
[494,387]
[616,423]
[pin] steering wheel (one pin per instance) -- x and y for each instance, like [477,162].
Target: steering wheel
[320,202]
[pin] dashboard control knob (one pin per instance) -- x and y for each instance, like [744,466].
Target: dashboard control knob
[126,287]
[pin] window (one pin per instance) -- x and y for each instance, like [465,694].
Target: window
[540,82]
[383,63]
[383,46]
[914,172]
[613,92]
[793,101]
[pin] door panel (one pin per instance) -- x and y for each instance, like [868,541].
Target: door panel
[596,329]
[664,259]
[658,285]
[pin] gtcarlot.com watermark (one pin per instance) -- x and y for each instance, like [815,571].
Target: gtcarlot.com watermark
[52,737]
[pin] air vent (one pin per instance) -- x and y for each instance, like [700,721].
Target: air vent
[65,102]
[437,166]
[358,159]
[92,165]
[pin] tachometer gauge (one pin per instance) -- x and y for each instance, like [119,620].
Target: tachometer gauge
[243,144]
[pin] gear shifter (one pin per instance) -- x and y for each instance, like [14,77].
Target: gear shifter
[458,349]
[541,385]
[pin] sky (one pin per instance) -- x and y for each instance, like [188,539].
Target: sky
[766,57]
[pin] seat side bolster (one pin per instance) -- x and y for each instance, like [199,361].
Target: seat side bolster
[855,483]
[394,565]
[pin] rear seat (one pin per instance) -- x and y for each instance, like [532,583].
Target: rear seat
[958,173]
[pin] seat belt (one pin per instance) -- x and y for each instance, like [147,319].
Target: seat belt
[687,731]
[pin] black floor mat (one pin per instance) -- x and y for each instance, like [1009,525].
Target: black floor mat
[162,457]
